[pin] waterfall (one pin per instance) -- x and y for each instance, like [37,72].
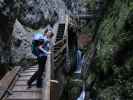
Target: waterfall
[82,95]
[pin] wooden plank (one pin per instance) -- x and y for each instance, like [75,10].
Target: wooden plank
[59,64]
[60,42]
[36,66]
[27,74]
[67,62]
[54,88]
[30,70]
[9,77]
[56,59]
[10,88]
[25,96]
[66,26]
[46,81]
[33,68]
[13,83]
[24,78]
[7,81]
[20,83]
[49,88]
[24,88]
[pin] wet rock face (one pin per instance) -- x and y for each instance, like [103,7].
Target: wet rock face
[38,13]
[21,43]
[76,6]
[8,13]
[5,37]
[9,8]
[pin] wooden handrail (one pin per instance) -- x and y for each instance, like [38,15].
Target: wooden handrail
[58,65]
[7,81]
[60,50]
[52,65]
[46,79]
[57,58]
[60,42]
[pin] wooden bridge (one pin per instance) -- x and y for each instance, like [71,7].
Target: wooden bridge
[14,84]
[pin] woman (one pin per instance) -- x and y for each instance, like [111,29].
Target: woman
[41,46]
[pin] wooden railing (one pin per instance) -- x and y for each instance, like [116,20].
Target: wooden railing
[47,78]
[8,81]
[56,58]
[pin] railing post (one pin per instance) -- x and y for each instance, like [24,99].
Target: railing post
[66,38]
[46,79]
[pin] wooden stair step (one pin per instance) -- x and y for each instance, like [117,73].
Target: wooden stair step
[25,89]
[24,78]
[27,74]
[19,83]
[33,68]
[26,71]
[30,70]
[25,96]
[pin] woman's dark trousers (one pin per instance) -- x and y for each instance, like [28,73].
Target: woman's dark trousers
[39,73]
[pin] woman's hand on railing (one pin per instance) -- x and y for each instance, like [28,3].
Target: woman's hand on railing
[49,52]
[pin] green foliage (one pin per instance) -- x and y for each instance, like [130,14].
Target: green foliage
[114,60]
[91,4]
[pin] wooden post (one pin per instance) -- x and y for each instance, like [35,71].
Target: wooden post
[66,37]
[54,90]
[46,79]
[50,87]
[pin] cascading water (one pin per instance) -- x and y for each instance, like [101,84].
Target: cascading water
[82,95]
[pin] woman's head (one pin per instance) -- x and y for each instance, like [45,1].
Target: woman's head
[49,33]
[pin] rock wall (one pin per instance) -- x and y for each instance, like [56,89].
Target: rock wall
[21,43]
[38,13]
[8,14]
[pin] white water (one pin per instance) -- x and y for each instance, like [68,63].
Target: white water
[82,95]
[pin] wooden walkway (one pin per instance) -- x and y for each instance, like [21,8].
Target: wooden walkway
[14,85]
[20,90]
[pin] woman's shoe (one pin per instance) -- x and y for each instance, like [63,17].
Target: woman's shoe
[39,85]
[29,85]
